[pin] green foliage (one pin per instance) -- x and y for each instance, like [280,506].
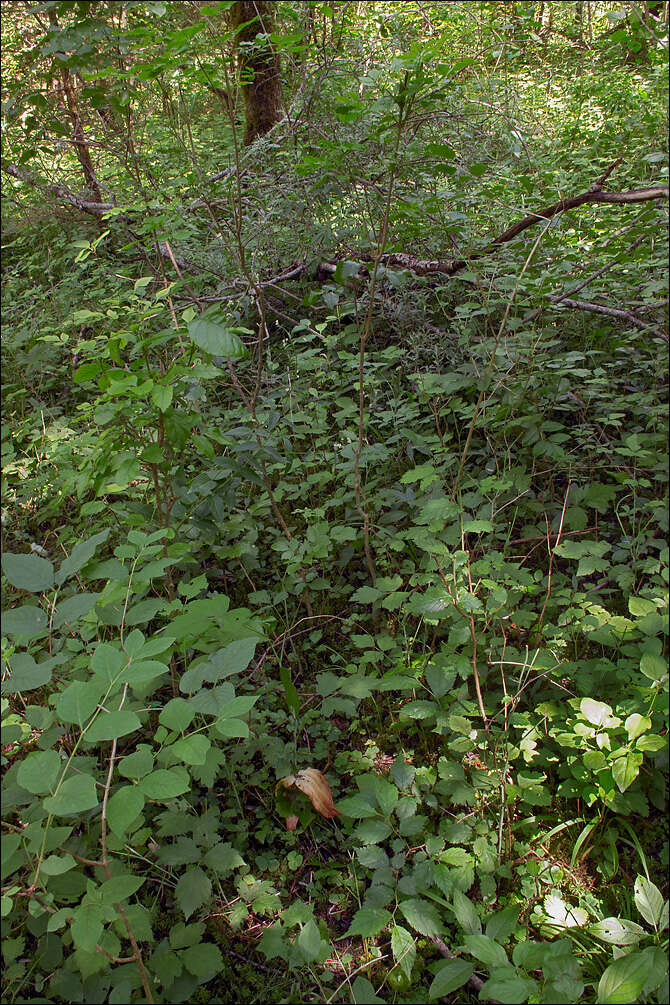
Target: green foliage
[409,529]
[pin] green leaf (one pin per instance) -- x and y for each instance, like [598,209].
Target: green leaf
[363,993]
[623,980]
[290,691]
[107,662]
[56,865]
[366,595]
[86,926]
[112,725]
[637,724]
[466,914]
[234,658]
[422,916]
[161,397]
[653,666]
[27,675]
[137,764]
[223,858]
[80,555]
[123,808]
[648,900]
[501,924]
[76,795]
[232,729]
[372,831]
[143,672]
[27,620]
[626,768]
[451,975]
[216,339]
[191,749]
[618,931]
[28,572]
[368,921]
[403,947]
[488,952]
[78,701]
[39,771]
[204,961]
[193,890]
[178,714]
[595,712]
[508,987]
[309,941]
[119,888]
[163,785]
[73,609]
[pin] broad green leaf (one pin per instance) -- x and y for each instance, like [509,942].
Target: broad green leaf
[626,768]
[223,858]
[618,931]
[216,339]
[595,712]
[27,675]
[78,701]
[363,993]
[123,808]
[112,725]
[452,974]
[178,714]
[232,729]
[137,764]
[39,771]
[87,926]
[80,555]
[241,705]
[163,784]
[76,795]
[372,831]
[623,981]
[309,941]
[141,673]
[637,724]
[403,947]
[421,915]
[368,921]
[466,914]
[119,888]
[56,865]
[357,807]
[193,890]
[204,960]
[161,397]
[488,952]
[28,572]
[107,661]
[508,987]
[653,666]
[191,749]
[648,900]
[233,658]
[501,924]
[75,608]
[27,620]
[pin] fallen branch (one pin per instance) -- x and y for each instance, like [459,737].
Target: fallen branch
[95,209]
[610,312]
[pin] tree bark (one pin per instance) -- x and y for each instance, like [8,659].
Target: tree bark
[259,67]
[81,147]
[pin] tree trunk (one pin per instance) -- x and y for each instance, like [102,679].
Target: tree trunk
[259,67]
[81,147]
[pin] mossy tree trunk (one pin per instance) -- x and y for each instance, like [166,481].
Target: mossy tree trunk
[259,66]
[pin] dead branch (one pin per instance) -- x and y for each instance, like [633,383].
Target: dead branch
[95,209]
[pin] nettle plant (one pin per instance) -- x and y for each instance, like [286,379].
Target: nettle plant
[135,725]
